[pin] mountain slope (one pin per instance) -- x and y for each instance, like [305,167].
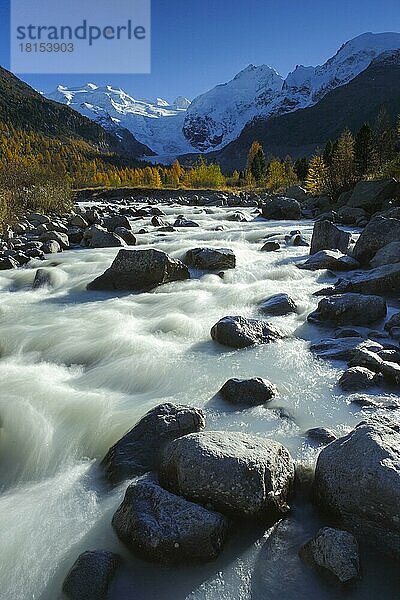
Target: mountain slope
[217,117]
[157,124]
[301,132]
[24,108]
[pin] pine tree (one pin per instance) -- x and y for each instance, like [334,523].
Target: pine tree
[317,176]
[256,163]
[342,170]
[383,137]
[364,151]
[301,168]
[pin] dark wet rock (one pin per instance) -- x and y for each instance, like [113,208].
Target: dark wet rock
[167,229]
[393,322]
[78,221]
[98,237]
[347,332]
[298,240]
[370,195]
[357,378]
[321,435]
[392,355]
[239,332]
[358,479]
[296,192]
[330,259]
[349,216]
[111,223]
[140,270]
[382,280]
[278,305]
[44,278]
[61,238]
[75,235]
[38,219]
[281,208]
[126,235]
[139,450]
[236,473]
[335,550]
[377,402]
[248,392]
[270,247]
[342,349]
[51,247]
[91,575]
[363,357]
[388,255]
[162,527]
[349,309]
[327,236]
[239,217]
[182,222]
[377,234]
[210,259]
[8,262]
[156,221]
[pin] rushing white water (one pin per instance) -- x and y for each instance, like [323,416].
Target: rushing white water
[79,368]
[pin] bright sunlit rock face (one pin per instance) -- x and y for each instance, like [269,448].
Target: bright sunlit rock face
[79,368]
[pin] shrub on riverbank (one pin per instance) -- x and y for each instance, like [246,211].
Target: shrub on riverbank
[26,189]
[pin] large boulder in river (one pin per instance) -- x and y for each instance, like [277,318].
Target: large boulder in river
[281,208]
[370,194]
[98,237]
[236,473]
[327,236]
[248,392]
[357,478]
[388,255]
[333,260]
[162,527]
[378,233]
[278,305]
[336,551]
[382,280]
[210,259]
[140,270]
[349,309]
[139,450]
[90,576]
[296,192]
[357,379]
[239,332]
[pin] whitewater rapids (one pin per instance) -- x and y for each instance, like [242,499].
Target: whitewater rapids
[79,368]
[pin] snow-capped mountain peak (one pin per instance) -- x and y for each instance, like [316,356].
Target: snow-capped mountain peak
[218,116]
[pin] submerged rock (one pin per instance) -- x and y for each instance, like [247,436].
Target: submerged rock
[236,473]
[327,236]
[138,270]
[139,450]
[321,435]
[270,247]
[349,309]
[162,527]
[358,479]
[239,332]
[335,550]
[91,575]
[44,278]
[210,259]
[278,305]
[249,392]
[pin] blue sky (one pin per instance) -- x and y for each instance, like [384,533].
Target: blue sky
[198,44]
